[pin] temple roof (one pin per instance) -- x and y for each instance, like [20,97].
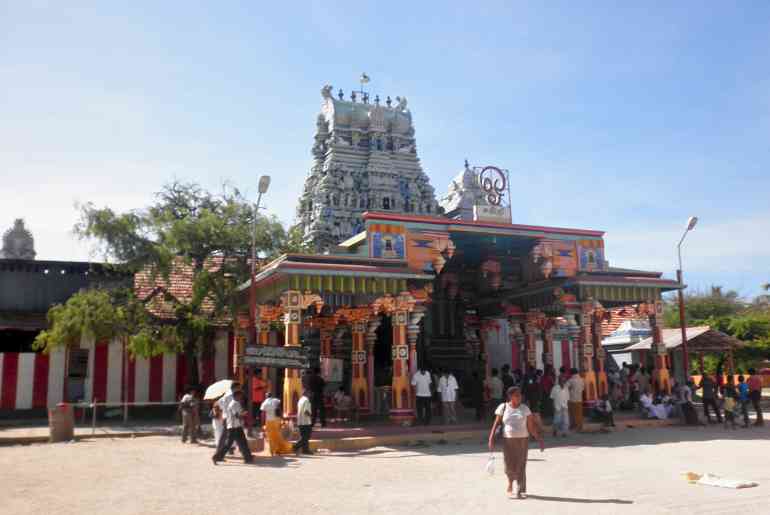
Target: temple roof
[699,339]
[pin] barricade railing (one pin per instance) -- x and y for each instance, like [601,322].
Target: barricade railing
[95,405]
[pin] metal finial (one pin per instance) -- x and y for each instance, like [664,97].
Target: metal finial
[341,95]
[388,101]
[366,98]
[377,99]
[466,163]
[353,96]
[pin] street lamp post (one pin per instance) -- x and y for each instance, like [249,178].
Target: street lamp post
[264,184]
[691,222]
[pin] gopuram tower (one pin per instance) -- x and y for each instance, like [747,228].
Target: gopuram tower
[364,159]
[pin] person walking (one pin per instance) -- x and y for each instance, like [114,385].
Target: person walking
[217,423]
[223,403]
[421,382]
[560,398]
[188,407]
[495,387]
[269,410]
[518,426]
[755,395]
[305,424]
[576,385]
[448,388]
[235,414]
[709,395]
[743,399]
[318,386]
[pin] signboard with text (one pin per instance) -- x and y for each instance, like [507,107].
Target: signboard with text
[277,357]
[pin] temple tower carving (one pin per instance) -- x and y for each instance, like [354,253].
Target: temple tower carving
[364,159]
[18,242]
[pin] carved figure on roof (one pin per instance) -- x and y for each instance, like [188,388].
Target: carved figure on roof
[18,242]
[326,91]
[400,103]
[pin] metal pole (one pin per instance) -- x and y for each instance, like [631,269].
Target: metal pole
[93,417]
[683,326]
[252,303]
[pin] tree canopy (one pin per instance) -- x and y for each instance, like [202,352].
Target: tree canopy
[207,235]
[725,311]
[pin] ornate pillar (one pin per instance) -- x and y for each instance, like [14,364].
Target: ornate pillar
[586,353]
[399,308]
[530,334]
[661,380]
[265,315]
[596,333]
[573,338]
[371,341]
[548,344]
[359,382]
[515,336]
[401,406]
[294,302]
[412,334]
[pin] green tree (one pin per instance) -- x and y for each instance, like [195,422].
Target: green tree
[701,307]
[206,233]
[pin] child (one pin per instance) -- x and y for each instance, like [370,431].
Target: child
[729,406]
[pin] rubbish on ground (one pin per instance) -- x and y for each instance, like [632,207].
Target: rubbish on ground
[713,480]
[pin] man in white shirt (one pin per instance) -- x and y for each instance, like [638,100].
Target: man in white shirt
[304,423]
[269,407]
[576,385]
[447,386]
[223,404]
[560,398]
[421,382]
[234,416]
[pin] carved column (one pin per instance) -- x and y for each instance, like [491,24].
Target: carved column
[573,340]
[548,344]
[412,335]
[596,330]
[515,337]
[530,335]
[586,353]
[371,341]
[294,302]
[401,406]
[359,382]
[265,315]
[661,380]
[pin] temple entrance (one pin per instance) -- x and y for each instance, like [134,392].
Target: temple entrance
[383,359]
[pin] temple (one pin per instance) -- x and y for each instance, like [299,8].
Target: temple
[364,158]
[461,288]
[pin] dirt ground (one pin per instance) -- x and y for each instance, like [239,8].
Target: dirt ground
[634,471]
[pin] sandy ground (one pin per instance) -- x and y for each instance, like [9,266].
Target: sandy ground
[634,471]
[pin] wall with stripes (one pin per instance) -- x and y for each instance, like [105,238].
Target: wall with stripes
[36,381]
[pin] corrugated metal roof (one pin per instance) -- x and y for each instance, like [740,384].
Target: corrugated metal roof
[671,337]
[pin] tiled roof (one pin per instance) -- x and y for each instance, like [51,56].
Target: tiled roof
[617,317]
[179,285]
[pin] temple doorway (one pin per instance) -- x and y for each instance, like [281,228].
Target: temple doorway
[383,359]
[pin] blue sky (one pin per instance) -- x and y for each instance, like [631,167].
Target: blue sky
[625,119]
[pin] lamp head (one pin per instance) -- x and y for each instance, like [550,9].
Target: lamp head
[692,222]
[264,183]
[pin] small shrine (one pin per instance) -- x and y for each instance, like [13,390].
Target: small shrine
[18,242]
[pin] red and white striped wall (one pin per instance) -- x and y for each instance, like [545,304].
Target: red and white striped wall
[34,380]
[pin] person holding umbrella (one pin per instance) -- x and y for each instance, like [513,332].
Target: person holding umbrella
[235,414]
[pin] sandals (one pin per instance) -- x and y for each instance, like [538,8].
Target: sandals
[521,495]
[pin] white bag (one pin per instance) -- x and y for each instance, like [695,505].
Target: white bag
[490,468]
